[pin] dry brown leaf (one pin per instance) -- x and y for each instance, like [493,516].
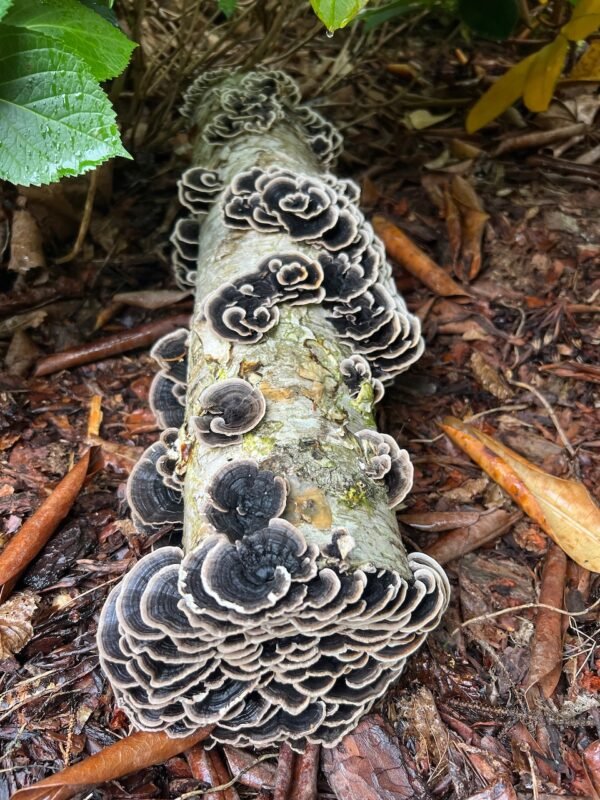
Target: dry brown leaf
[151,299]
[489,377]
[15,622]
[135,752]
[563,508]
[26,250]
[545,663]
[367,764]
[412,258]
[36,531]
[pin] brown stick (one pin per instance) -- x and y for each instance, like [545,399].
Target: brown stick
[131,754]
[35,532]
[110,345]
[413,259]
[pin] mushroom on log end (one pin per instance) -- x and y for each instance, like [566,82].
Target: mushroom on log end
[251,636]
[243,498]
[229,408]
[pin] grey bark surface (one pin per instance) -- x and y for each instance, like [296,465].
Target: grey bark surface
[307,432]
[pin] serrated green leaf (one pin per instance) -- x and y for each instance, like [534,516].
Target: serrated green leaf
[78,29]
[394,10]
[494,19]
[104,9]
[228,7]
[4,6]
[54,118]
[336,14]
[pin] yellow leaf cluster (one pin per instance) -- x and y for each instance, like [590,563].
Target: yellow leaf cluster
[535,77]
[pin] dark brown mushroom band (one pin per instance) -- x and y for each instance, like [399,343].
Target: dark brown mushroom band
[256,631]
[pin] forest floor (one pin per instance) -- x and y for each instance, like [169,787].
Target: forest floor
[507,706]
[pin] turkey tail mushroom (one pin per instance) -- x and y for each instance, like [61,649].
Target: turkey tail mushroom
[292,605]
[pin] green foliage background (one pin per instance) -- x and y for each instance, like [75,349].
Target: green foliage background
[55,119]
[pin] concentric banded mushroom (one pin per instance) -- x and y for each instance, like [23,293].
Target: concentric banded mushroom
[243,498]
[198,189]
[229,409]
[255,637]
[292,605]
[153,490]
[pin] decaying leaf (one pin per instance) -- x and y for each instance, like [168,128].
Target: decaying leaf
[367,764]
[406,252]
[135,752]
[151,299]
[563,508]
[36,531]
[26,250]
[15,622]
[546,651]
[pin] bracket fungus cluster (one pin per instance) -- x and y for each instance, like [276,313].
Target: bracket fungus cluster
[292,604]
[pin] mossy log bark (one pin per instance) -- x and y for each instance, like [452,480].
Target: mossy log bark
[308,431]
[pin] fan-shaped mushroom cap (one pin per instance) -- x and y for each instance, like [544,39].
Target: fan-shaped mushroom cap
[185,238]
[167,401]
[355,371]
[297,277]
[324,139]
[386,461]
[365,315]
[230,408]
[243,498]
[199,188]
[153,491]
[171,353]
[252,636]
[242,314]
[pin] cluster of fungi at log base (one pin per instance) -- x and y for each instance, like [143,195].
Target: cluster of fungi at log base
[275,622]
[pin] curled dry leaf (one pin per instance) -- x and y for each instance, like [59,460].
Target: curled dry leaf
[546,651]
[26,250]
[135,752]
[563,508]
[35,532]
[486,529]
[413,259]
[15,622]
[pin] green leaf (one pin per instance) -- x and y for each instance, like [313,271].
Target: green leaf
[397,8]
[493,19]
[78,29]
[228,7]
[4,6]
[103,8]
[336,14]
[54,118]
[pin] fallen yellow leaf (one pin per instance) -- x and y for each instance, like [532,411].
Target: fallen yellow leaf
[585,19]
[544,73]
[500,96]
[563,508]
[588,66]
